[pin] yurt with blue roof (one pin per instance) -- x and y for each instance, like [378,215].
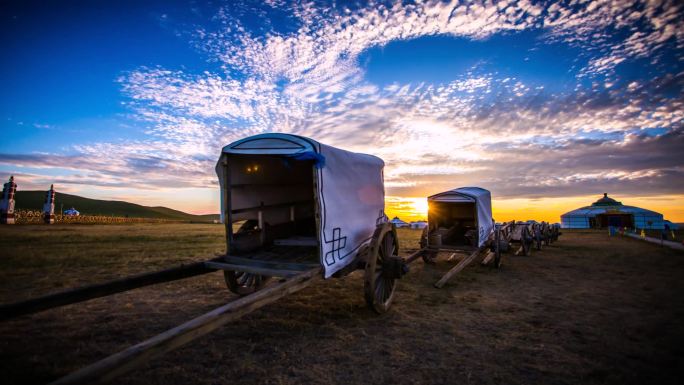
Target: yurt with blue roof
[607,212]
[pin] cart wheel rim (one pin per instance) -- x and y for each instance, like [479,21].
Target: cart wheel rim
[379,290]
[244,283]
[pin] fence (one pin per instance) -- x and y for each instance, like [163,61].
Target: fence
[36,217]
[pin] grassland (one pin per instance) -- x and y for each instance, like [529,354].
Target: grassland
[587,310]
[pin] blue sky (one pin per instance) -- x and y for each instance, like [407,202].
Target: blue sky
[59,80]
[134,101]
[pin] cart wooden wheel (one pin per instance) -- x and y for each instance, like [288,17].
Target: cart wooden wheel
[244,283]
[378,287]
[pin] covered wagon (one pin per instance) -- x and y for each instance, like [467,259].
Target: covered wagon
[460,221]
[291,203]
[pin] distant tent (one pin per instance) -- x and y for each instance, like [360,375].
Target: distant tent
[398,222]
[72,212]
[418,224]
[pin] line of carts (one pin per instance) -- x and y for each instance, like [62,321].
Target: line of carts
[297,211]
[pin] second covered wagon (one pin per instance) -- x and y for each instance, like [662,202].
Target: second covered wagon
[460,221]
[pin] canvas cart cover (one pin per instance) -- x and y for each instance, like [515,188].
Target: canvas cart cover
[483,203]
[350,193]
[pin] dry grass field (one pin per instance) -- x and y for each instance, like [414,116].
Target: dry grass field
[586,310]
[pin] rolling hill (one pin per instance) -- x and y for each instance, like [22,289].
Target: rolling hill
[33,200]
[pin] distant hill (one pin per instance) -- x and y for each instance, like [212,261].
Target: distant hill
[33,200]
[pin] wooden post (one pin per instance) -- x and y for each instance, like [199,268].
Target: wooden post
[262,234]
[49,206]
[120,363]
[227,204]
[461,265]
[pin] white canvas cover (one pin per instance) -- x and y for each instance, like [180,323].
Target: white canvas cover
[483,203]
[350,193]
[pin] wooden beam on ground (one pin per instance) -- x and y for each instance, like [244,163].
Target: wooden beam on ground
[488,258]
[86,293]
[120,363]
[460,266]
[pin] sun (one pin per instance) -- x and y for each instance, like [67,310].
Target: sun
[420,206]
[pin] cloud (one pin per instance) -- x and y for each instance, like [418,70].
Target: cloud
[481,128]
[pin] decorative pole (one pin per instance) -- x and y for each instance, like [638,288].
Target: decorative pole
[49,206]
[7,203]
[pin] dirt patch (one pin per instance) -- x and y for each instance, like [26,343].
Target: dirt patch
[588,309]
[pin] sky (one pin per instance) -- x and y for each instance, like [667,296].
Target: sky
[546,104]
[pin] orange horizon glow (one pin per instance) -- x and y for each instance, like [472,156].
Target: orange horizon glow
[540,209]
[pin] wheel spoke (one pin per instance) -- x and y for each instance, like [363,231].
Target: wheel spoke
[242,279]
[385,290]
[390,288]
[378,289]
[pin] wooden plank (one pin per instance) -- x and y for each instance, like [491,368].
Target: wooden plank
[227,215]
[120,363]
[269,264]
[460,266]
[269,207]
[86,293]
[298,241]
[262,230]
[252,269]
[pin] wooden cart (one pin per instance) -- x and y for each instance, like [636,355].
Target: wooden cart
[522,235]
[460,221]
[296,211]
